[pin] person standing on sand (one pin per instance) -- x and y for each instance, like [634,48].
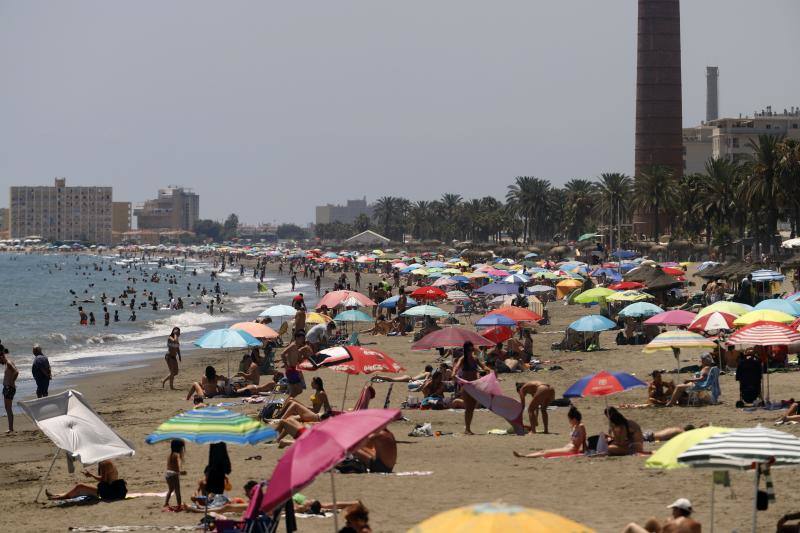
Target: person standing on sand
[291,357]
[41,371]
[172,357]
[467,369]
[9,385]
[542,395]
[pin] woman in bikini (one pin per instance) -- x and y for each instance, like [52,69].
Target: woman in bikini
[291,357]
[467,369]
[172,357]
[625,436]
[109,485]
[577,439]
[320,405]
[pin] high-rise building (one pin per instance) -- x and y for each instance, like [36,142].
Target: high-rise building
[346,214]
[176,208]
[729,138]
[61,213]
[4,223]
[712,93]
[120,220]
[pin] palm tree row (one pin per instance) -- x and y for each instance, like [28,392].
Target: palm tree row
[728,201]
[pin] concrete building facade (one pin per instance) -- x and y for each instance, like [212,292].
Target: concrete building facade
[728,138]
[121,216]
[5,213]
[346,214]
[61,213]
[176,208]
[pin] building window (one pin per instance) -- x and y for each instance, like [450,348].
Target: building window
[794,126]
[735,142]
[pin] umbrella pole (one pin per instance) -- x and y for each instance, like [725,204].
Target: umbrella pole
[335,509]
[712,501]
[344,396]
[755,498]
[47,475]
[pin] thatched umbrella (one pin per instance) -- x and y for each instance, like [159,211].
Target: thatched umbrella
[679,244]
[657,248]
[559,251]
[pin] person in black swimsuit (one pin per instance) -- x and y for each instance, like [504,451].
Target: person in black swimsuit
[467,369]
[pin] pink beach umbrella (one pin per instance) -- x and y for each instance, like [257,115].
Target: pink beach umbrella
[336,298]
[677,317]
[451,337]
[318,450]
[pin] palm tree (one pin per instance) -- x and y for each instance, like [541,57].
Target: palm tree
[526,199]
[580,199]
[762,187]
[615,192]
[716,193]
[383,212]
[654,193]
[789,177]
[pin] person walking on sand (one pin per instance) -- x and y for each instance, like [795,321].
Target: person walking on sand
[9,385]
[172,357]
[542,395]
[467,369]
[41,371]
[174,472]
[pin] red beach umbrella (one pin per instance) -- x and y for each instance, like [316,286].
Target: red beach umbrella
[429,293]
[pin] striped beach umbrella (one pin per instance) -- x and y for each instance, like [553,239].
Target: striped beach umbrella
[712,322]
[210,425]
[740,448]
[679,339]
[765,334]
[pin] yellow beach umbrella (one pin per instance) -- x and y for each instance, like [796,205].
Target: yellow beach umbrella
[629,296]
[667,456]
[732,308]
[765,315]
[497,518]
[565,287]
[595,295]
[317,318]
[420,272]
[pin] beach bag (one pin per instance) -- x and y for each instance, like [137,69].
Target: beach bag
[268,411]
[351,466]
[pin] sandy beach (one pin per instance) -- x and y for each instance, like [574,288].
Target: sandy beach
[603,493]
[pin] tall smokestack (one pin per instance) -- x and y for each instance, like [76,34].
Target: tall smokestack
[712,93]
[659,121]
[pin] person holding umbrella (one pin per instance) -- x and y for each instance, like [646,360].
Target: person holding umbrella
[466,367]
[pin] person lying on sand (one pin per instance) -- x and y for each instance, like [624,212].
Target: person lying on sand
[625,436]
[109,485]
[791,414]
[542,395]
[404,379]
[668,433]
[378,452]
[680,521]
[250,390]
[301,503]
[208,387]
[577,438]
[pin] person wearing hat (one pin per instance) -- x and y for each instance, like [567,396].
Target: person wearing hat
[680,521]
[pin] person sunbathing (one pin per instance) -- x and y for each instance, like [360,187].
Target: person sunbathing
[252,390]
[378,452]
[667,433]
[381,327]
[680,390]
[433,387]
[320,405]
[625,436]
[659,392]
[577,439]
[542,395]
[301,503]
[680,521]
[791,414]
[378,378]
[252,374]
[109,487]
[208,387]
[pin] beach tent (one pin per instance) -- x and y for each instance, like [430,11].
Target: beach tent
[367,237]
[74,427]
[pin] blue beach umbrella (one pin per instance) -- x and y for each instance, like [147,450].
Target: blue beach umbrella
[640,310]
[391,303]
[613,275]
[496,320]
[785,306]
[592,324]
[210,425]
[227,338]
[352,315]
[538,289]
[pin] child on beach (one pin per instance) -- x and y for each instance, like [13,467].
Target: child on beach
[173,473]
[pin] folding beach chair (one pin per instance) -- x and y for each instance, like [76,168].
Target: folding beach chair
[709,386]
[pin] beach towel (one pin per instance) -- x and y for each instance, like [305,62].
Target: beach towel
[487,392]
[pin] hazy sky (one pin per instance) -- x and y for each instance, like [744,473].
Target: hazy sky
[268,108]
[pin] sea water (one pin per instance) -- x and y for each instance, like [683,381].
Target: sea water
[36,307]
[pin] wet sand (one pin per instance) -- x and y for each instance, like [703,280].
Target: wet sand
[603,493]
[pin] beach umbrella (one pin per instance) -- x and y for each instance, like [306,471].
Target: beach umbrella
[592,324]
[602,384]
[337,298]
[498,288]
[435,264]
[518,314]
[260,331]
[676,341]
[712,322]
[640,310]
[540,289]
[425,310]
[609,273]
[775,304]
[211,424]
[743,449]
[496,320]
[317,318]
[732,308]
[563,288]
[457,295]
[351,360]
[450,337]
[764,315]
[765,334]
[595,295]
[320,448]
[666,457]
[278,311]
[498,518]
[497,333]
[227,338]
[677,317]
[352,315]
[626,286]
[444,282]
[429,293]
[516,278]
[391,303]
[629,296]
